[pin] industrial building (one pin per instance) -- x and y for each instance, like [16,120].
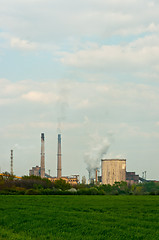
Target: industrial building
[93,176]
[113,170]
[36,171]
[73,180]
[40,171]
[132,178]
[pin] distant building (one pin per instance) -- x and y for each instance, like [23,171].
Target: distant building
[100,179]
[36,171]
[83,180]
[113,170]
[132,178]
[70,180]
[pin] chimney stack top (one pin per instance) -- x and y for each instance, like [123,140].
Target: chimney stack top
[42,136]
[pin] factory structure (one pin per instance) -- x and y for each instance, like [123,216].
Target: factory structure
[40,171]
[112,170]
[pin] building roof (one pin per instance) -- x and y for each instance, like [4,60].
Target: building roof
[113,159]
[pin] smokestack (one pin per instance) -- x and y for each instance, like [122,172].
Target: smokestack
[89,174]
[96,176]
[59,169]
[11,163]
[42,156]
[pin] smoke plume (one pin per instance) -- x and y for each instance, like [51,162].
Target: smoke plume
[62,104]
[98,148]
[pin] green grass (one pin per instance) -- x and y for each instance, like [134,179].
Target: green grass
[79,217]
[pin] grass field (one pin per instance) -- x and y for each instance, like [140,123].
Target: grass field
[79,217]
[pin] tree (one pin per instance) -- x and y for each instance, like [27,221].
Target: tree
[61,184]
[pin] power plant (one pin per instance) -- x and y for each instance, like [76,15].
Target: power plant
[112,170]
[40,171]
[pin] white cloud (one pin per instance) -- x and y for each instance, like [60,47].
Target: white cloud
[79,95]
[137,131]
[28,90]
[133,57]
[22,44]
[40,97]
[52,21]
[84,104]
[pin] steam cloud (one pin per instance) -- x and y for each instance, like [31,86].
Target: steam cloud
[98,149]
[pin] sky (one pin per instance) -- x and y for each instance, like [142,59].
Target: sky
[88,69]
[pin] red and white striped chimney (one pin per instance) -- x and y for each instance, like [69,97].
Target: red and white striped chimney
[59,168]
[42,156]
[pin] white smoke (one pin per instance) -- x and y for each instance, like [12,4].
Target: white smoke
[62,104]
[20,147]
[98,148]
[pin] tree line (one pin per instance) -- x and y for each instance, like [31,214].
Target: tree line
[35,185]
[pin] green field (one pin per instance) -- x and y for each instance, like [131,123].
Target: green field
[79,217]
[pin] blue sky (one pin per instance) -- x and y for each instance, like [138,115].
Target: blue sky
[88,67]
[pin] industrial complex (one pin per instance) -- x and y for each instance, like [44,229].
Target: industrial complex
[112,170]
[40,171]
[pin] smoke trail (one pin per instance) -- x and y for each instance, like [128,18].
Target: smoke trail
[97,150]
[62,104]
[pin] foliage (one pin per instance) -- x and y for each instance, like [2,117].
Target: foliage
[10,185]
[33,182]
[32,192]
[61,184]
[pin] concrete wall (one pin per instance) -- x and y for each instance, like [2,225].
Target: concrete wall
[113,170]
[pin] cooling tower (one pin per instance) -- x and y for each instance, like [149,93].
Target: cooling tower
[59,169]
[113,170]
[42,156]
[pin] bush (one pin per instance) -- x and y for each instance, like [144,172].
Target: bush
[152,193]
[101,192]
[93,191]
[115,192]
[138,190]
[88,191]
[61,184]
[32,192]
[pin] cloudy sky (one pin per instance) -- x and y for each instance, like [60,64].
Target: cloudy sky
[88,67]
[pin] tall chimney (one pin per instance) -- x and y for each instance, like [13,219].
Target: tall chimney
[96,176]
[42,156]
[11,163]
[59,169]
